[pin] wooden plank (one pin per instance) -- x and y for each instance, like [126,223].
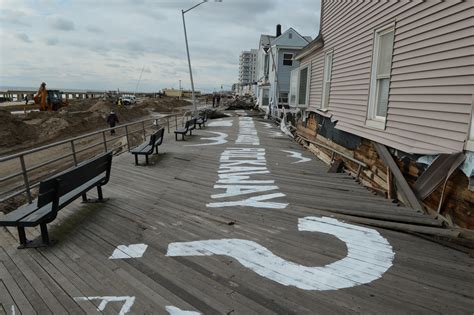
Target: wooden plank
[402,185]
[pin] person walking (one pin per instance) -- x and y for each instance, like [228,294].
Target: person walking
[218,100]
[112,119]
[213,100]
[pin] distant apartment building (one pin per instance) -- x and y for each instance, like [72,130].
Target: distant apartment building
[247,62]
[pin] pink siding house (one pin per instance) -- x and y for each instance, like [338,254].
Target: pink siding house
[396,73]
[399,72]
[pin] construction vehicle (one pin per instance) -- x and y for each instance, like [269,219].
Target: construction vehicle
[53,99]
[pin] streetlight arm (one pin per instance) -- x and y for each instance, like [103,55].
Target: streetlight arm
[184,11]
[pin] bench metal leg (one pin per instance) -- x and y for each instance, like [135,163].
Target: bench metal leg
[175,136]
[39,242]
[22,237]
[99,193]
[136,159]
[44,233]
[146,158]
[156,149]
[99,198]
[182,135]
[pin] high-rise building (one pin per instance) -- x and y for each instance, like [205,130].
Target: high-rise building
[247,62]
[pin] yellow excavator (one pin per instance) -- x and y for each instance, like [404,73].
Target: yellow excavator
[49,99]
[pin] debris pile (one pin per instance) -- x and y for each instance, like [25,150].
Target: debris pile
[242,102]
[213,113]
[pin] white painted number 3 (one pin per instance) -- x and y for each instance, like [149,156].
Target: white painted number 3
[369,256]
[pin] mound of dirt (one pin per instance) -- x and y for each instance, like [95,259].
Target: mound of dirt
[14,131]
[79,105]
[164,104]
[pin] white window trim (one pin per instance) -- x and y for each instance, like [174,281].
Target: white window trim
[321,105]
[373,120]
[469,146]
[308,85]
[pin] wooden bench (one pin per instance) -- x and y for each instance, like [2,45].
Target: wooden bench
[201,121]
[184,130]
[148,147]
[56,193]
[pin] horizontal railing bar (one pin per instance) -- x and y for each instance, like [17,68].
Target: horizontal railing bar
[13,195]
[47,162]
[19,192]
[10,176]
[14,189]
[101,143]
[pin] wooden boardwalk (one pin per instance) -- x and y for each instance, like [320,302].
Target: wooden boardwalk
[241,227]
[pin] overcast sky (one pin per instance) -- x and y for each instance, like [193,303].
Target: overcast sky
[104,44]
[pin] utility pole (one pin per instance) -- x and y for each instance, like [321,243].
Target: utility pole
[187,52]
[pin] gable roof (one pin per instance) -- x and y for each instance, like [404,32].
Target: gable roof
[265,40]
[283,35]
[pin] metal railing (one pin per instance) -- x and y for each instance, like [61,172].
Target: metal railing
[22,182]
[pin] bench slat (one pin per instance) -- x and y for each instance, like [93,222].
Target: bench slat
[37,216]
[11,219]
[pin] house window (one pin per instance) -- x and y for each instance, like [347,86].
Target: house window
[287,59]
[293,87]
[266,65]
[327,79]
[290,35]
[265,96]
[380,76]
[283,98]
[303,86]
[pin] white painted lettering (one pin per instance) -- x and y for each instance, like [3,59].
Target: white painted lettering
[129,300]
[237,190]
[353,270]
[255,202]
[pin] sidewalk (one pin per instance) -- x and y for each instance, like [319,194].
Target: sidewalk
[234,220]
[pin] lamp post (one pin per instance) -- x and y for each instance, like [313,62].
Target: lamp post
[187,52]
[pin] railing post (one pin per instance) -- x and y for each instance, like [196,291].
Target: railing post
[144,131]
[73,149]
[105,141]
[25,179]
[168,123]
[126,135]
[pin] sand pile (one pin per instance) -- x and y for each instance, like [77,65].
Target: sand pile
[164,104]
[13,131]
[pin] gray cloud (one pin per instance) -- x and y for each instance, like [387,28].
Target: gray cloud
[23,37]
[50,41]
[93,29]
[60,23]
[14,17]
[116,38]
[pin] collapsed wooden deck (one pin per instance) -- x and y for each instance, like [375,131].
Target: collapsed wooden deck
[227,244]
